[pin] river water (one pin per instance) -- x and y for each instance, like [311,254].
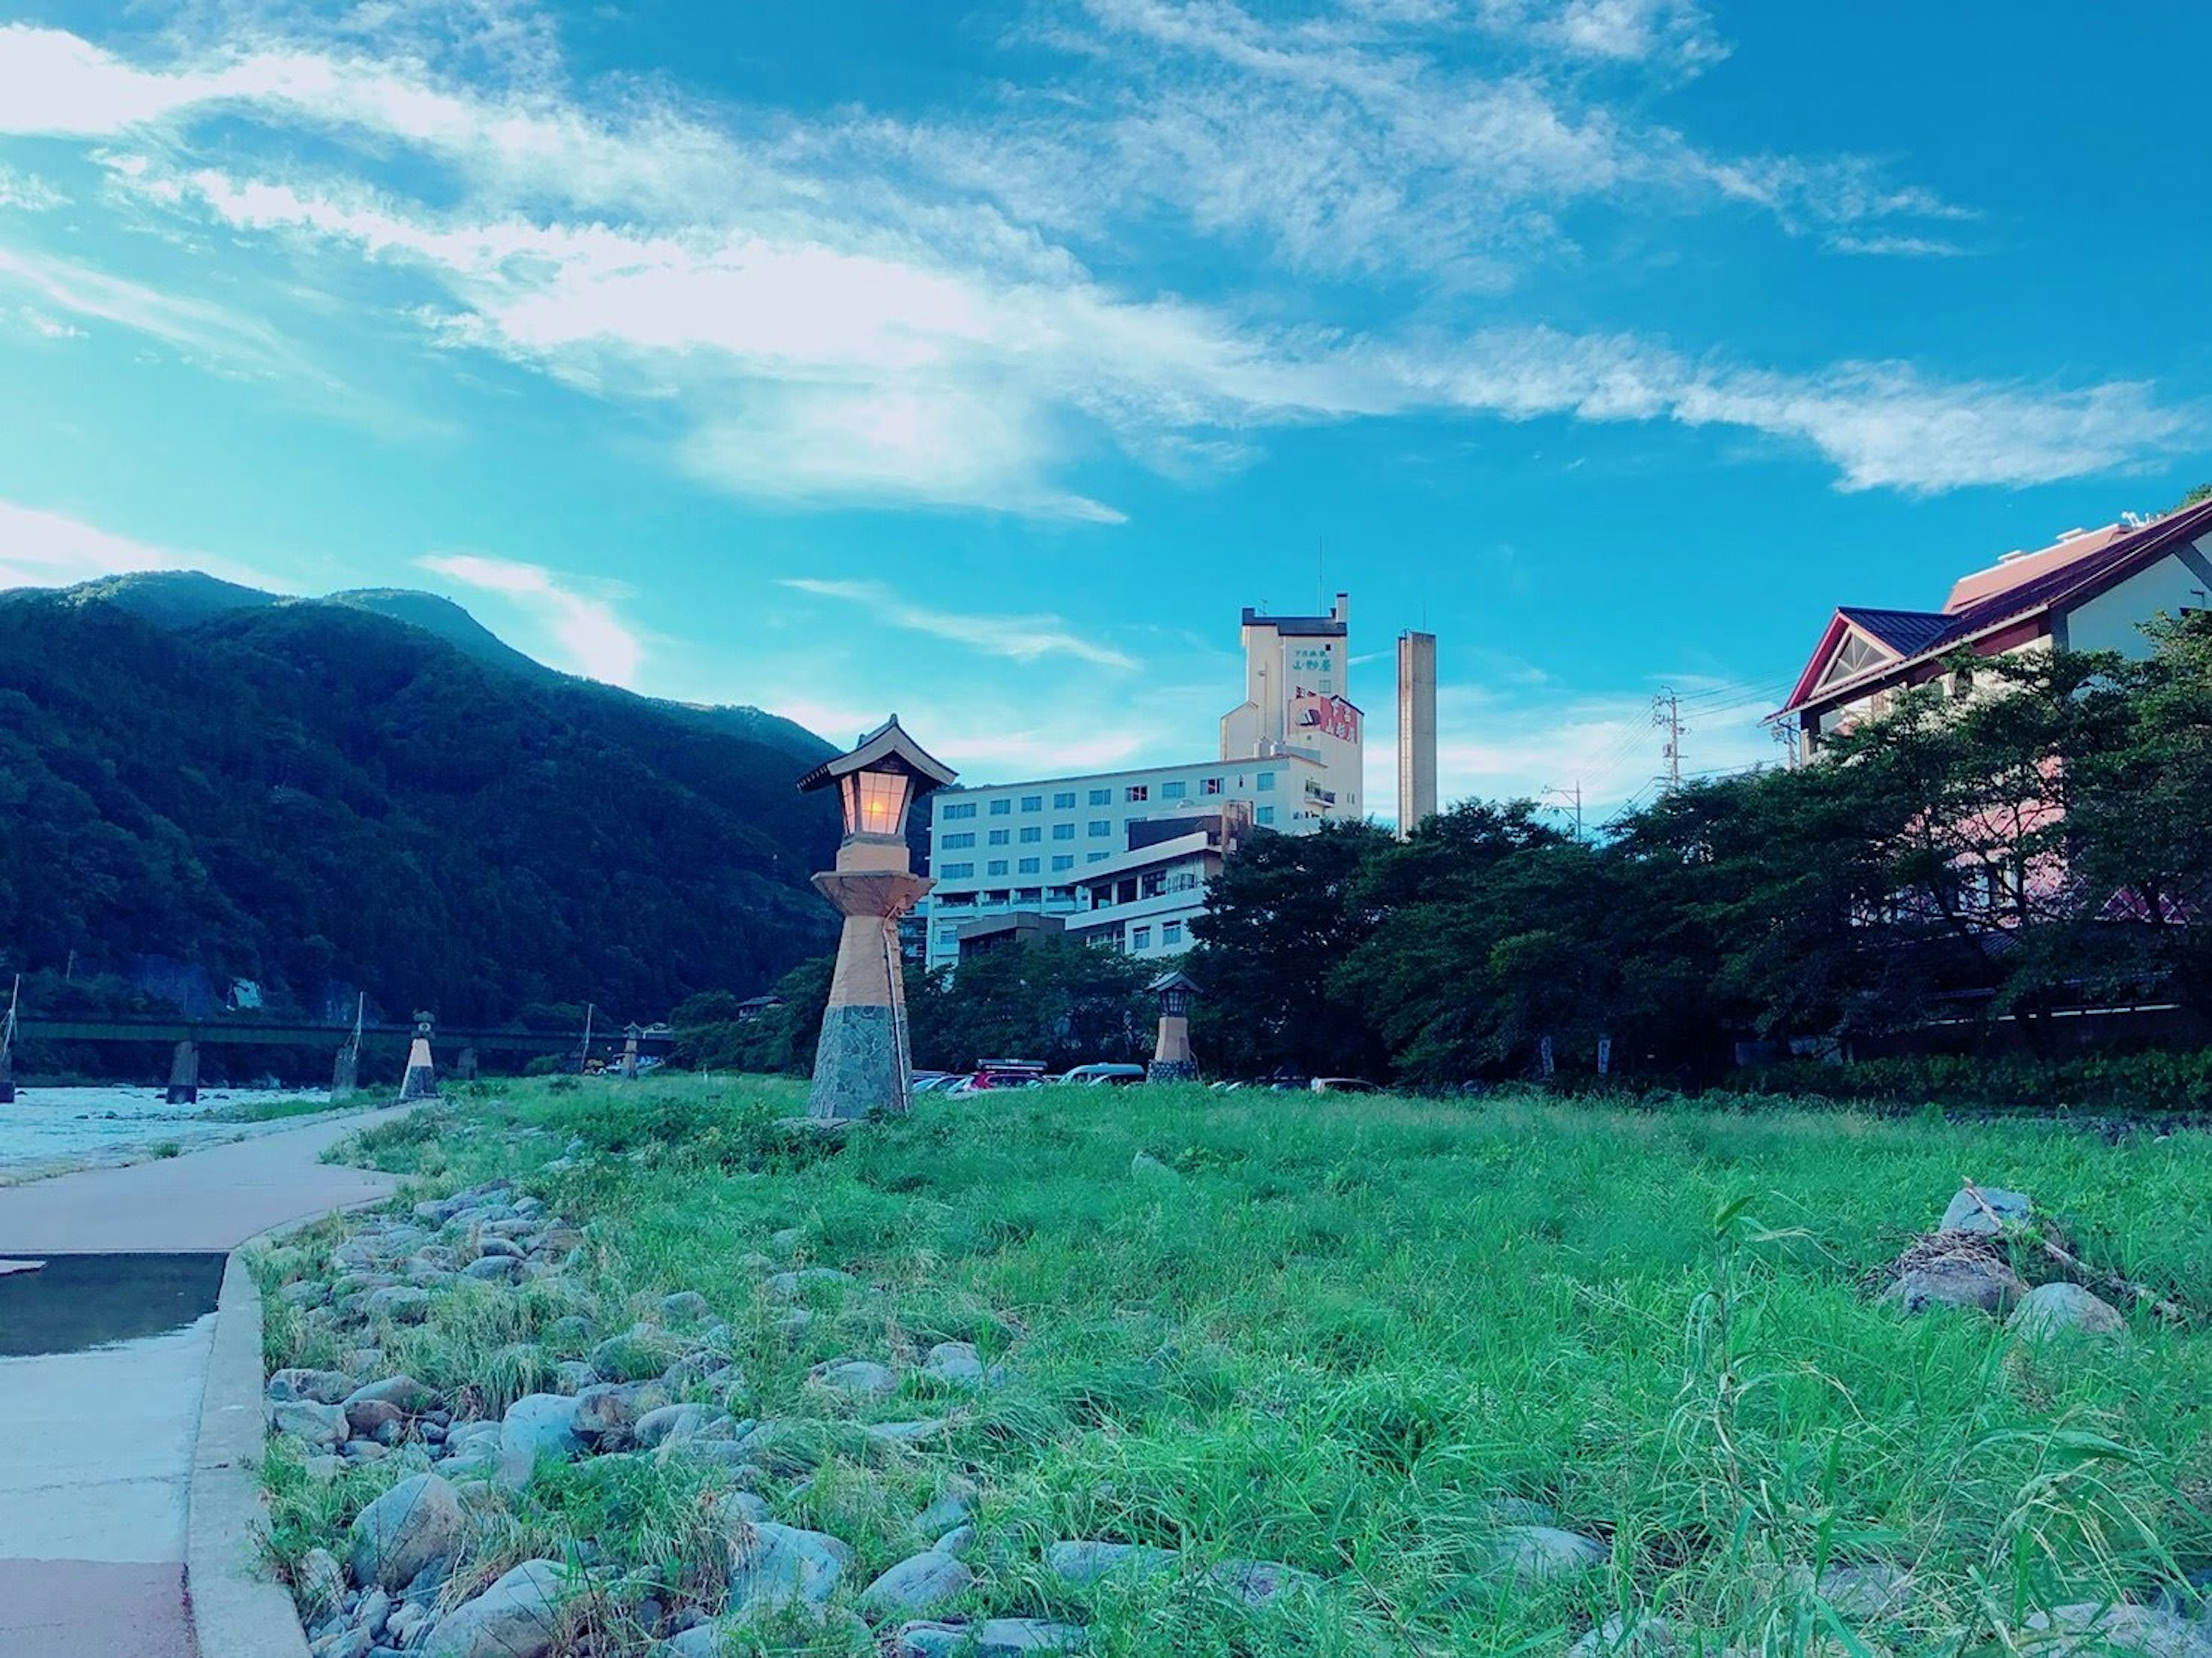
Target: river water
[48,1129]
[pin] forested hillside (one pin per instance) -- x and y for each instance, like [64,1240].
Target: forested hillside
[199,785]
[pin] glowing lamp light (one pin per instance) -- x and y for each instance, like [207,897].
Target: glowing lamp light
[885,772]
[875,801]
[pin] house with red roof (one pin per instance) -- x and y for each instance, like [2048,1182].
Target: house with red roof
[2090,590]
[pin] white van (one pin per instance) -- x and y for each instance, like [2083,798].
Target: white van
[1104,1076]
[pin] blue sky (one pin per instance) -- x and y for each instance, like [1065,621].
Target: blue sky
[981,361]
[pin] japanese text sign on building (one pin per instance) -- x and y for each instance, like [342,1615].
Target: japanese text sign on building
[1326,716]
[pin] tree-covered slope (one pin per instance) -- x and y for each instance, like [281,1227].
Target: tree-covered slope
[312,796]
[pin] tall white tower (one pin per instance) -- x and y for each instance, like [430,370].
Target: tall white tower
[1417,730]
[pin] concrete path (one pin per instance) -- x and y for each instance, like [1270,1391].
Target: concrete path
[213,1200]
[94,1491]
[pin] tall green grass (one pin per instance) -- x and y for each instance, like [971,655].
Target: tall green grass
[1334,1331]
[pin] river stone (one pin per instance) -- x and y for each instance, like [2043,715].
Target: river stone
[318,1585]
[496,1241]
[947,1511]
[417,1523]
[773,1567]
[348,1642]
[905,1433]
[1962,1281]
[403,1303]
[1617,1637]
[920,1584]
[740,1509]
[1543,1551]
[685,1307]
[318,1426]
[861,1376]
[1261,1582]
[573,1376]
[540,1425]
[787,1285]
[1864,1592]
[637,1355]
[515,1617]
[1086,1561]
[785,1445]
[319,1386]
[956,1362]
[606,1414]
[994,1637]
[2077,1631]
[370,1418]
[672,1422]
[495,1269]
[2049,1309]
[408,1394]
[1964,1215]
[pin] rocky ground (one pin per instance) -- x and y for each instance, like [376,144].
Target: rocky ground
[593,1475]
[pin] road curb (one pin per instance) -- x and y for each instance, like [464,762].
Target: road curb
[237,1610]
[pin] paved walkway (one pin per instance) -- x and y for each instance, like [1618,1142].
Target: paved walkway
[93,1498]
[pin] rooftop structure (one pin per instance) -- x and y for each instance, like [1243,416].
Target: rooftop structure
[2091,589]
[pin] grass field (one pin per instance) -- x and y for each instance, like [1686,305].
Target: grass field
[1335,1331]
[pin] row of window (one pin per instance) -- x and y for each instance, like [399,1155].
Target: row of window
[1064,799]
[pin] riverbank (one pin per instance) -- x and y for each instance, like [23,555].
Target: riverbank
[54,1130]
[1217,1374]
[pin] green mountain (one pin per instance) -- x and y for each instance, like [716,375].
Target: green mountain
[203,783]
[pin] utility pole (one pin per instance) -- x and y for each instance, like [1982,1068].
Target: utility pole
[1574,795]
[1667,713]
[1785,734]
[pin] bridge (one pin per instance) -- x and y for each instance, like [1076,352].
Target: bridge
[186,1035]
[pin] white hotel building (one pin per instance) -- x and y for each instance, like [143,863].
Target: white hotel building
[1122,858]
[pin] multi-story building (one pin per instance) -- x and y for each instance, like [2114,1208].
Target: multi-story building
[1122,858]
[1046,846]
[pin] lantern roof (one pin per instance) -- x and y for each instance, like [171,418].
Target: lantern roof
[887,748]
[1173,979]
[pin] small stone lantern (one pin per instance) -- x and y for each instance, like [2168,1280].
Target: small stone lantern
[420,1081]
[861,1066]
[1172,1057]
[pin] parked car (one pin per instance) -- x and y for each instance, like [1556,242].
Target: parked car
[1001,1073]
[1111,1076]
[1343,1086]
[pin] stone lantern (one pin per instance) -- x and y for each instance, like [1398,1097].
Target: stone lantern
[1172,1057]
[420,1081]
[861,1063]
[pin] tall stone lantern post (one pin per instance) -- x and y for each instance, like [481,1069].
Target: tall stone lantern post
[1171,1056]
[861,1065]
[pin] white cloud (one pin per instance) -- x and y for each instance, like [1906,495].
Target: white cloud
[853,309]
[27,192]
[1018,638]
[46,327]
[40,547]
[590,634]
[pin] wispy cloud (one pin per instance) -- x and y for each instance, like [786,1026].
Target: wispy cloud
[589,632]
[1019,638]
[28,193]
[854,309]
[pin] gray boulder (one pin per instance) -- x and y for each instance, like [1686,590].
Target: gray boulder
[1261,1582]
[1866,1592]
[1964,1215]
[606,1414]
[539,1423]
[2048,1310]
[916,1585]
[785,1286]
[320,1427]
[1539,1553]
[685,1307]
[773,1567]
[405,1391]
[956,1363]
[403,1303]
[1619,1638]
[672,1422]
[994,1637]
[375,1418]
[1087,1561]
[496,1269]
[416,1524]
[1975,1281]
[639,1354]
[2077,1631]
[320,1387]
[516,1617]
[318,1585]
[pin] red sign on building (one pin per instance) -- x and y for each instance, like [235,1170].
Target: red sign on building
[1327,716]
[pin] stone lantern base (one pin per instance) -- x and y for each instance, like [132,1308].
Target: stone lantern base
[860,1067]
